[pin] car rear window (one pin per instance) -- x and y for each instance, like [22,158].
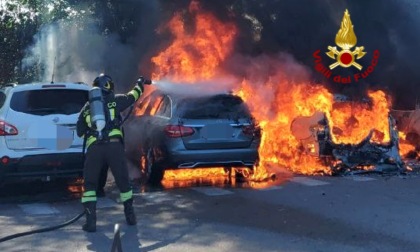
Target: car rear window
[53,101]
[219,106]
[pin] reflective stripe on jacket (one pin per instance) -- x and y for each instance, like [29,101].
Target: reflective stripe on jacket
[115,105]
[113,132]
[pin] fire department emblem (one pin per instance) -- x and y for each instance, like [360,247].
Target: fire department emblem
[346,39]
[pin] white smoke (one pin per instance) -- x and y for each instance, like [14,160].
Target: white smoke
[80,48]
[66,52]
[198,88]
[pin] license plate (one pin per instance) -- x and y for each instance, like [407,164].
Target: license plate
[65,137]
[217,131]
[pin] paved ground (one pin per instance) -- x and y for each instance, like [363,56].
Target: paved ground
[355,213]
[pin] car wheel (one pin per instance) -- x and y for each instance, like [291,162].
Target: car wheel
[153,169]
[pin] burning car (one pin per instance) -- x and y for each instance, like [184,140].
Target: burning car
[178,131]
[318,137]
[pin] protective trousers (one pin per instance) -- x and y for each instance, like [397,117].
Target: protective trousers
[109,154]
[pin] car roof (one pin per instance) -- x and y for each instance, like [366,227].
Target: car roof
[46,85]
[178,96]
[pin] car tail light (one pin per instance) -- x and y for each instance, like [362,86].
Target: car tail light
[5,160]
[6,129]
[178,131]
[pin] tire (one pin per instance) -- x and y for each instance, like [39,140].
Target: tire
[154,170]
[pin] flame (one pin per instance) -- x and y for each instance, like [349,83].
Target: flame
[352,122]
[278,146]
[194,55]
[197,54]
[189,177]
[346,38]
[405,147]
[184,174]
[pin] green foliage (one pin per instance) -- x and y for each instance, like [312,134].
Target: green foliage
[20,20]
[18,12]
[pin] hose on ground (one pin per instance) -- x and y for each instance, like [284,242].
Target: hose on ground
[10,237]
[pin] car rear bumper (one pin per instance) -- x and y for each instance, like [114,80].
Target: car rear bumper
[46,166]
[210,158]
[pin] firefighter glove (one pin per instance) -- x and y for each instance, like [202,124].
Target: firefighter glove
[140,83]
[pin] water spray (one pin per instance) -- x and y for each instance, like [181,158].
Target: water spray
[160,84]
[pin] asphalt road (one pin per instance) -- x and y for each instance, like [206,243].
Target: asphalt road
[295,213]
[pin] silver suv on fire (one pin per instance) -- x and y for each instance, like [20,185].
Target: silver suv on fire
[177,130]
[37,130]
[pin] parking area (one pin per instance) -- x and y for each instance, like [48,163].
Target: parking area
[352,213]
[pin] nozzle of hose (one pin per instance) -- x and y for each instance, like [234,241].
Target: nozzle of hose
[147,82]
[143,81]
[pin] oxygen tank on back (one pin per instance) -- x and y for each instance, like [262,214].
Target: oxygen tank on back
[97,112]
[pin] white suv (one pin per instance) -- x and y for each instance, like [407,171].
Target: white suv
[37,130]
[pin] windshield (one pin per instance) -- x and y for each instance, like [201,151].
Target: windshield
[219,106]
[45,102]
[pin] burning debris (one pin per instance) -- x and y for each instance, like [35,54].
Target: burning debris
[312,133]
[367,155]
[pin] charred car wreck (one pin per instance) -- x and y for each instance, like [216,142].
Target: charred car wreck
[365,156]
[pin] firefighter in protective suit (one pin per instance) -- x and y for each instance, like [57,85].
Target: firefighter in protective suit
[106,149]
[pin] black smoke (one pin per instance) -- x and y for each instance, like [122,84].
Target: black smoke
[301,27]
[127,38]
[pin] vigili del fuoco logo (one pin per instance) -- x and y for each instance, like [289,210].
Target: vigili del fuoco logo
[344,56]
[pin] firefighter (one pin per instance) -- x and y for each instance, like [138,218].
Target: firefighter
[106,149]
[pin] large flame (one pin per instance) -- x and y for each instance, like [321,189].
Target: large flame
[278,146]
[197,54]
[352,122]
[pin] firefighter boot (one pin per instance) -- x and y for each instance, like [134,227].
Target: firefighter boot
[130,217]
[90,211]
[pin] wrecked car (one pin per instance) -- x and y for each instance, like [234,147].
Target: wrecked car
[315,136]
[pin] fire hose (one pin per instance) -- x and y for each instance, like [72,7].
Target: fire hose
[42,230]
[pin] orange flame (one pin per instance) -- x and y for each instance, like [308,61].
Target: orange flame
[195,173]
[278,146]
[197,54]
[351,122]
[355,120]
[405,147]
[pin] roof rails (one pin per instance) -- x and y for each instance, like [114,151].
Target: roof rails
[76,82]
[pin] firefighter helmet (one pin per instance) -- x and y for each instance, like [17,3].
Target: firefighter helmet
[104,82]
